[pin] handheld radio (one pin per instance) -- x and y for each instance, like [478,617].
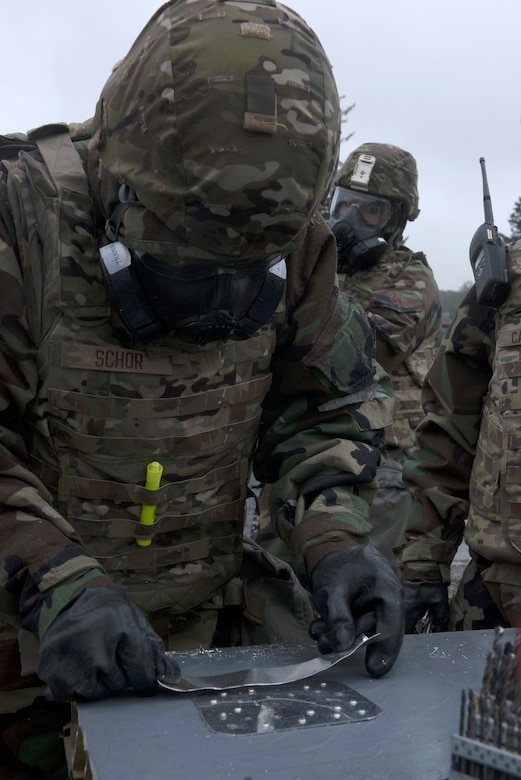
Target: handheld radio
[488,256]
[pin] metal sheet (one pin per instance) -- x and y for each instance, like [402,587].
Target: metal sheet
[269,665]
[290,707]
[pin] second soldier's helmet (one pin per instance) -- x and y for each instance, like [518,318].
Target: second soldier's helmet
[376,194]
[384,170]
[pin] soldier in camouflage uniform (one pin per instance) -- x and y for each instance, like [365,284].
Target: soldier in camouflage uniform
[169,296]
[465,471]
[376,194]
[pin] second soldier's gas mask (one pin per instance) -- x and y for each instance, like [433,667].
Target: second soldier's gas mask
[358,221]
[199,300]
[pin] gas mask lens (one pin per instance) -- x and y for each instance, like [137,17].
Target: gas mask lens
[205,301]
[188,270]
[375,211]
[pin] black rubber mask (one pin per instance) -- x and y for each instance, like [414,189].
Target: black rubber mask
[199,300]
[357,244]
[357,222]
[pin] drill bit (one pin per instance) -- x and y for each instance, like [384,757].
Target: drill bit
[492,716]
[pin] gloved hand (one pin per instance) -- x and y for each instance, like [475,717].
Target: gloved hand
[426,596]
[99,644]
[358,590]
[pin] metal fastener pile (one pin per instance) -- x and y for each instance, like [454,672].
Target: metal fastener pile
[489,742]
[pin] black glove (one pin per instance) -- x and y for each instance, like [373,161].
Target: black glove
[99,644]
[426,597]
[358,590]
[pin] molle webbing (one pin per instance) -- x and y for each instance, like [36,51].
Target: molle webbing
[494,526]
[198,414]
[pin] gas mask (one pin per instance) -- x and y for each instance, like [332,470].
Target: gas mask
[199,300]
[357,221]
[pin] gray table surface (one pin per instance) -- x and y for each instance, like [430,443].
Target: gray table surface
[166,738]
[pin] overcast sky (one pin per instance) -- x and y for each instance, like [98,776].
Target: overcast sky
[440,78]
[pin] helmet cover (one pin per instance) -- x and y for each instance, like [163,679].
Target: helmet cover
[224,120]
[384,170]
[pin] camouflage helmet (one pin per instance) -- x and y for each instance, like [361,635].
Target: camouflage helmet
[223,122]
[384,170]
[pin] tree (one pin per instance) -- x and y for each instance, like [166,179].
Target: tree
[344,113]
[450,300]
[515,222]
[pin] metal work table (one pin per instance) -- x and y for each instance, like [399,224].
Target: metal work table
[167,738]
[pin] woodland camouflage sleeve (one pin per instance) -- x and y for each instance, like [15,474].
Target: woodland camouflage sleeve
[404,304]
[39,549]
[438,468]
[321,433]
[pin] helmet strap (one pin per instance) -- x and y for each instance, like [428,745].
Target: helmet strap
[127,197]
[401,221]
[126,293]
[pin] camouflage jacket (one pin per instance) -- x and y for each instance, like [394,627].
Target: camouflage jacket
[465,470]
[401,298]
[83,409]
